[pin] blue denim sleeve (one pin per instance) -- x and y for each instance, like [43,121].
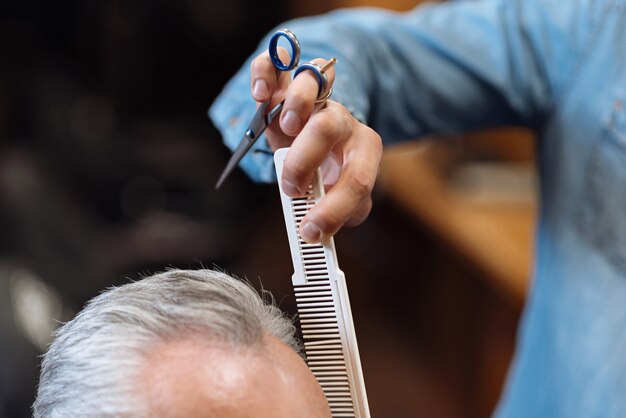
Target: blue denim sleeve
[439,68]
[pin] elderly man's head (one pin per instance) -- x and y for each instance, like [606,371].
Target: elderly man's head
[178,344]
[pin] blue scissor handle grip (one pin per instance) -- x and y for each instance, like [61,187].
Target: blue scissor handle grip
[322,80]
[295,50]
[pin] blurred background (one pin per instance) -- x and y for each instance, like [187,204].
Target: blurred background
[107,171]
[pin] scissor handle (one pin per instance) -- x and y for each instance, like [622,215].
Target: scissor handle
[295,50]
[318,72]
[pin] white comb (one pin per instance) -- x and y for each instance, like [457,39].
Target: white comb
[324,308]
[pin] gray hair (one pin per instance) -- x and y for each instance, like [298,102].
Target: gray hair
[91,366]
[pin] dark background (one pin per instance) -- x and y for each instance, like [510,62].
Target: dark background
[107,170]
[107,159]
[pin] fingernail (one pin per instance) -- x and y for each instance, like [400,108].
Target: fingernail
[260,89]
[290,188]
[291,122]
[310,232]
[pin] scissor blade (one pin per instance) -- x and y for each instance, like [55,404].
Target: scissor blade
[274,112]
[258,125]
[255,129]
[239,153]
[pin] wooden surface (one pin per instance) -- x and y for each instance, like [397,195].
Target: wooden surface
[497,238]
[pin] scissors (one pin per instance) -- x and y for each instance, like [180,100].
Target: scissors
[263,118]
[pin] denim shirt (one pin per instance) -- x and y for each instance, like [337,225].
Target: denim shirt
[557,66]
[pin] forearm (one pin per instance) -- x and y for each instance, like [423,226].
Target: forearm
[439,68]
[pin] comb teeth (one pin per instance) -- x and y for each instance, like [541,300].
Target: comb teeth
[323,309]
[319,318]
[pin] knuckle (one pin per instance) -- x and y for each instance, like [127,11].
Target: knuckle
[361,184]
[370,139]
[299,99]
[295,172]
[254,65]
[331,221]
[259,64]
[347,122]
[376,139]
[342,121]
[376,142]
[326,127]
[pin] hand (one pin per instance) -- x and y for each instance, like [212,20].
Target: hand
[348,151]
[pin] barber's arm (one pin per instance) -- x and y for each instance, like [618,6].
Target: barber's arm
[439,68]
